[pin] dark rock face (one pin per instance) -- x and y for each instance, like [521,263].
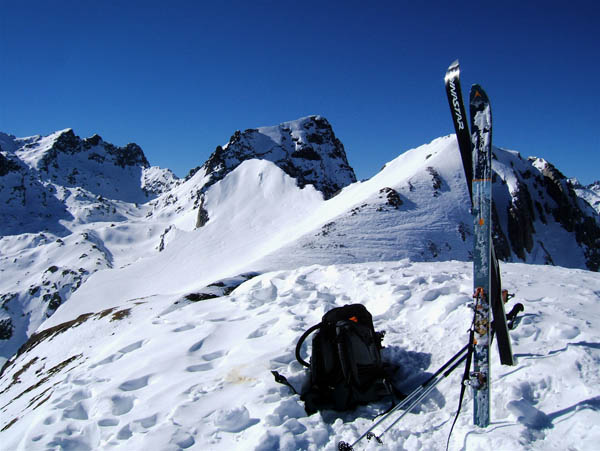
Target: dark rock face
[520,222]
[392,196]
[69,143]
[541,198]
[202,217]
[501,244]
[569,214]
[7,166]
[306,149]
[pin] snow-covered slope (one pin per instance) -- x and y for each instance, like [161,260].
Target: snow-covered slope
[167,373]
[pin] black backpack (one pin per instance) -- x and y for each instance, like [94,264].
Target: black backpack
[346,368]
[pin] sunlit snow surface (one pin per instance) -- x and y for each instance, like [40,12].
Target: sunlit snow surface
[165,373]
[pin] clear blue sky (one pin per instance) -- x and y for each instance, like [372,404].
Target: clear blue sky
[179,78]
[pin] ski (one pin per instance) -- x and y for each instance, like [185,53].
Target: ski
[501,326]
[459,118]
[481,126]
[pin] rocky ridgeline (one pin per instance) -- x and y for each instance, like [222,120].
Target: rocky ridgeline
[47,182]
[306,149]
[541,199]
[590,193]
[96,149]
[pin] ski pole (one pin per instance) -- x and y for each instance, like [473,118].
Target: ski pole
[418,392]
[425,393]
[424,385]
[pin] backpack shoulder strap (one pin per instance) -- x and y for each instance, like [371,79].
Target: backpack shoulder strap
[301,341]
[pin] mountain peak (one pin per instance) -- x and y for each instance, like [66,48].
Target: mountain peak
[305,149]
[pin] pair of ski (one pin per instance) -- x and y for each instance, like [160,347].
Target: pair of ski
[476,153]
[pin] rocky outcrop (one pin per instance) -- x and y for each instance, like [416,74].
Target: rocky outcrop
[520,221]
[95,148]
[539,202]
[392,197]
[306,149]
[589,193]
[567,212]
[7,166]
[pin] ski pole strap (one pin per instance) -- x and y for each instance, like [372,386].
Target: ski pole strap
[518,308]
[512,318]
[283,380]
[464,381]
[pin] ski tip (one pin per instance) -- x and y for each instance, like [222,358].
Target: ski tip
[478,93]
[454,67]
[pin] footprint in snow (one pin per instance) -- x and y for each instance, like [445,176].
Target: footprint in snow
[196,346]
[77,412]
[134,384]
[263,329]
[80,395]
[131,347]
[111,358]
[184,328]
[200,367]
[124,433]
[147,422]
[431,295]
[108,422]
[50,420]
[529,415]
[119,354]
[120,405]
[214,355]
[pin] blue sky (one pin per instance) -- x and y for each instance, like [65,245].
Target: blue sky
[179,78]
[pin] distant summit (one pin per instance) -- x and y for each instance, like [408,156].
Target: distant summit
[305,149]
[49,179]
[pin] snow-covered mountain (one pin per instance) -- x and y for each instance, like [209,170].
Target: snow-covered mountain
[262,201]
[590,193]
[69,208]
[97,242]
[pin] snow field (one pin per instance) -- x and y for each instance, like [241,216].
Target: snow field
[165,373]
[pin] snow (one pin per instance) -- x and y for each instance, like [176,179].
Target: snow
[166,373]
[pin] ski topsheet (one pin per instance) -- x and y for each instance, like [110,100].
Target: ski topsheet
[459,118]
[481,126]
